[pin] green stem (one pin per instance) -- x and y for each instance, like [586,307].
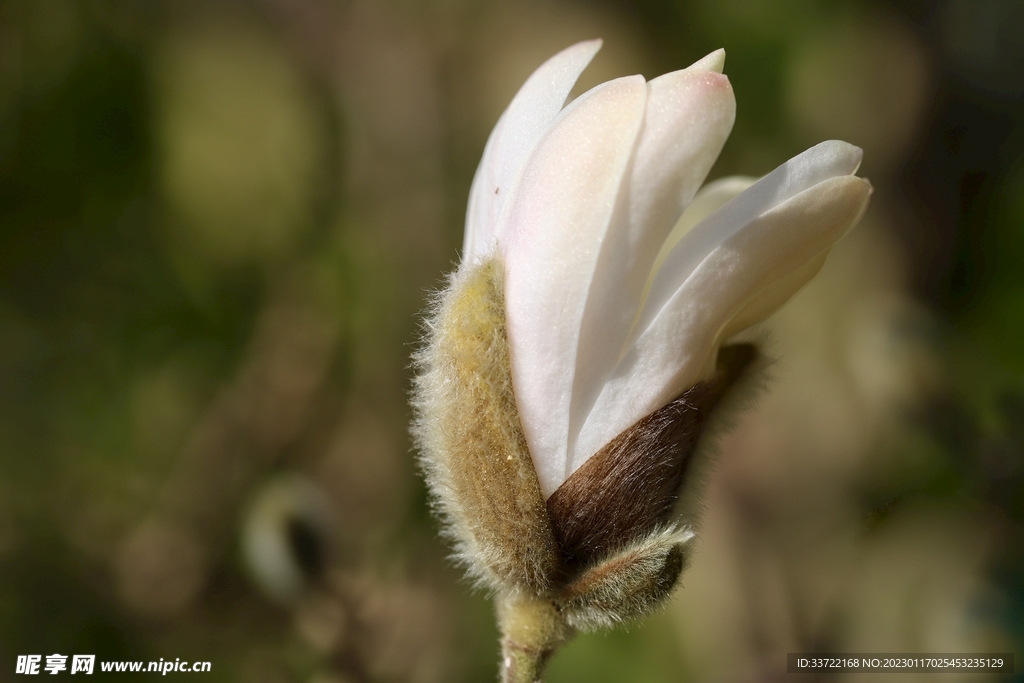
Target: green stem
[531,630]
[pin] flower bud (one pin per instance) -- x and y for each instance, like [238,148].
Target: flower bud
[571,363]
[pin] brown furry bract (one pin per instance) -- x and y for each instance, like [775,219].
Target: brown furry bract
[630,487]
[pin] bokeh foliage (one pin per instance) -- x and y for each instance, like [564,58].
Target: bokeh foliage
[218,222]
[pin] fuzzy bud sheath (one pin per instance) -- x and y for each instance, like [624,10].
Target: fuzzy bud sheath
[603,548]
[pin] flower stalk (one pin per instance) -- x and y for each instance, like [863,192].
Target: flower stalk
[531,631]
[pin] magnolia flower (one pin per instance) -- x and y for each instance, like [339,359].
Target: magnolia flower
[571,360]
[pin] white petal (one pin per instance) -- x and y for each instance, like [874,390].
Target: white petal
[712,62]
[676,349]
[516,135]
[775,295]
[689,116]
[550,235]
[823,161]
[709,199]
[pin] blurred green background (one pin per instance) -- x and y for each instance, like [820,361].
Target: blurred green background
[219,220]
